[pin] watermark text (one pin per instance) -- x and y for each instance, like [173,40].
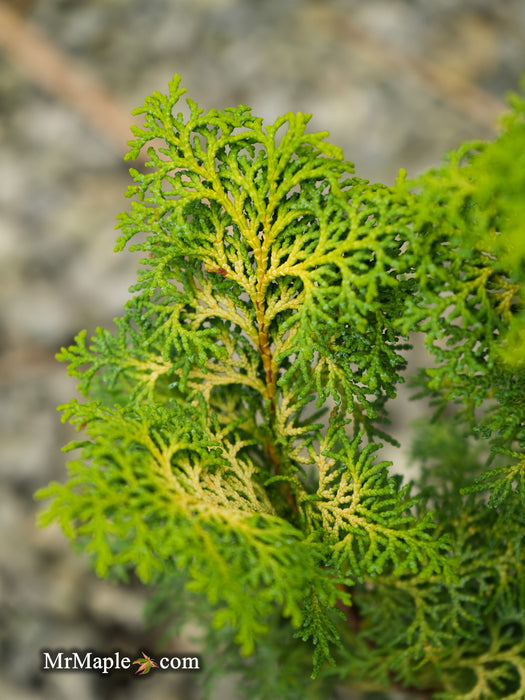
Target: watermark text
[89,660]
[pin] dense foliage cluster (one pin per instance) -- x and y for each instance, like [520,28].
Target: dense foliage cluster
[231,419]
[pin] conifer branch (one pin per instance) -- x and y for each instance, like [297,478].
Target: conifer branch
[230,421]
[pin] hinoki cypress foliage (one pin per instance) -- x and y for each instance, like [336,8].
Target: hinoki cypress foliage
[232,417]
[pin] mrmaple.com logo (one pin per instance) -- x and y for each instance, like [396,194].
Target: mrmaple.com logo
[88,660]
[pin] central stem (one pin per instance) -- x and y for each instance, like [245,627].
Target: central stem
[266,355]
[271,371]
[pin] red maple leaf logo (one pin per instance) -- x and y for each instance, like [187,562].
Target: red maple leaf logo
[146,664]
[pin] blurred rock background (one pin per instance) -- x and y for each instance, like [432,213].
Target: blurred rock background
[396,82]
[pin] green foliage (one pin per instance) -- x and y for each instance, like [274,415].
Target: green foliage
[232,417]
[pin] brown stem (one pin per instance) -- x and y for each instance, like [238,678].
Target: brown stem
[266,355]
[270,370]
[276,464]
